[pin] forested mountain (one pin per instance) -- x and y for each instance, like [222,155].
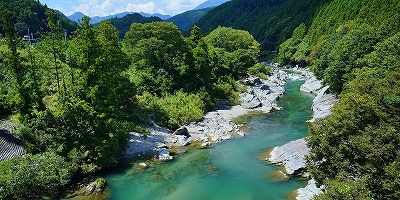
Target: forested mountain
[354,47]
[123,24]
[270,21]
[210,3]
[31,14]
[78,16]
[186,20]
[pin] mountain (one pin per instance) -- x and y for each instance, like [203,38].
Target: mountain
[32,14]
[210,3]
[161,16]
[270,21]
[186,20]
[123,24]
[78,16]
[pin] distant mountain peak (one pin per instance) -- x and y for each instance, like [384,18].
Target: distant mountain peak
[78,16]
[210,3]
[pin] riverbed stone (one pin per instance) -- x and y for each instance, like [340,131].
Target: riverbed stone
[309,191]
[163,155]
[291,156]
[182,131]
[249,100]
[252,81]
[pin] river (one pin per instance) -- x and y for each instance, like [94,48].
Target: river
[230,170]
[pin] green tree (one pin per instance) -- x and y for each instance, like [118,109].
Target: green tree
[32,176]
[53,40]
[159,55]
[21,97]
[234,51]
[360,139]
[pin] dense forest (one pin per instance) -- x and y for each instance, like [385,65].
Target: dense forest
[75,99]
[270,22]
[354,47]
[186,20]
[123,24]
[31,14]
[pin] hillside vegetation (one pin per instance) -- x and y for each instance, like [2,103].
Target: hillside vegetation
[186,20]
[354,47]
[32,14]
[124,23]
[75,100]
[271,22]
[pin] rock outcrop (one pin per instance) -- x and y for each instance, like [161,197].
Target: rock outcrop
[309,191]
[322,104]
[291,156]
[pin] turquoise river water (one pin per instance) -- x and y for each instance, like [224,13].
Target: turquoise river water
[230,170]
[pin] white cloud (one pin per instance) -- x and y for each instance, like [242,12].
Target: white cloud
[148,7]
[96,8]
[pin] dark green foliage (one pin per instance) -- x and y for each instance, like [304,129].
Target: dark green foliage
[260,70]
[159,54]
[123,24]
[186,20]
[360,139]
[340,36]
[32,176]
[32,14]
[234,50]
[270,21]
[354,47]
[163,63]
[174,110]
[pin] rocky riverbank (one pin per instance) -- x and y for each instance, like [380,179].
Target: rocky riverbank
[259,97]
[292,155]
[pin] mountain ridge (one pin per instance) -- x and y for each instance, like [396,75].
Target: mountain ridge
[78,16]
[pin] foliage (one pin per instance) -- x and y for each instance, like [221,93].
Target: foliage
[123,24]
[158,54]
[173,110]
[234,50]
[184,21]
[32,15]
[354,47]
[77,98]
[260,70]
[33,176]
[270,21]
[360,139]
[341,34]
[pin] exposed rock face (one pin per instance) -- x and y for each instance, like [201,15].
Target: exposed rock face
[309,191]
[291,156]
[249,100]
[312,84]
[322,104]
[182,131]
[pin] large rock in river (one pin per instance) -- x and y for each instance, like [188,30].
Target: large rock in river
[291,156]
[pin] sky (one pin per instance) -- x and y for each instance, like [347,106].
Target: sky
[109,7]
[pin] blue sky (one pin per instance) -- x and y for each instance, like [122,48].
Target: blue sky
[109,7]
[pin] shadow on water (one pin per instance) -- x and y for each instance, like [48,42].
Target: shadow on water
[230,170]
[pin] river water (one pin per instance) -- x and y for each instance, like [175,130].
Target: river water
[230,170]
